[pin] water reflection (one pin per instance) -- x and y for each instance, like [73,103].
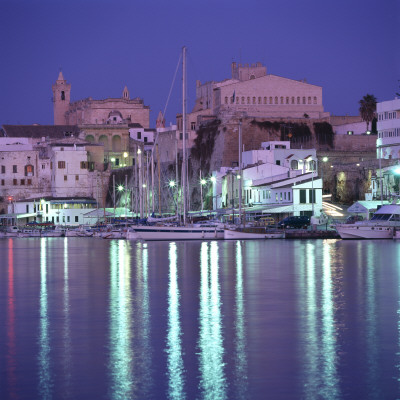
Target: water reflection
[174,344]
[241,387]
[121,352]
[45,367]
[143,356]
[67,357]
[11,342]
[213,383]
[319,330]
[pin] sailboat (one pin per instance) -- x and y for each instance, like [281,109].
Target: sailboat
[185,232]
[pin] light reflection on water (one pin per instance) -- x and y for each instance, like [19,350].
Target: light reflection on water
[44,359]
[202,320]
[318,324]
[211,351]
[175,366]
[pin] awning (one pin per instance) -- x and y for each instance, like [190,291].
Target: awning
[18,216]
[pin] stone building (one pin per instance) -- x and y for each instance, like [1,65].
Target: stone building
[49,165]
[88,111]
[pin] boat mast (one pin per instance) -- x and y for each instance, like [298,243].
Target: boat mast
[184,177]
[240,172]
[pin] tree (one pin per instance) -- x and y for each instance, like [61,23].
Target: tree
[368,108]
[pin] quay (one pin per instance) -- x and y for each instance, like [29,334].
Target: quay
[311,234]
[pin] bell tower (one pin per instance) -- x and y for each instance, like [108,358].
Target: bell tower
[61,99]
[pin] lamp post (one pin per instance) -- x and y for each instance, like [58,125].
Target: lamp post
[202,183]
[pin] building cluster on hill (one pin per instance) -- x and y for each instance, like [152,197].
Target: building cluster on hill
[288,142]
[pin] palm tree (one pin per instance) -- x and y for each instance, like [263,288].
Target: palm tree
[368,108]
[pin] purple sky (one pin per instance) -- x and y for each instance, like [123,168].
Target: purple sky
[349,47]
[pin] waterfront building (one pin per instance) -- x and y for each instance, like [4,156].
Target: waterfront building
[388,142]
[39,166]
[275,179]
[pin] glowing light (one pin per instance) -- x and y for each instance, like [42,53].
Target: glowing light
[139,151]
[238,177]
[120,188]
[65,205]
[397,171]
[203,181]
[112,159]
[325,159]
[144,185]
[125,154]
[171,184]
[213,179]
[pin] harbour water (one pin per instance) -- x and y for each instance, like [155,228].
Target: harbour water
[280,319]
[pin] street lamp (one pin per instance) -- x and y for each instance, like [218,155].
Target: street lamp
[202,183]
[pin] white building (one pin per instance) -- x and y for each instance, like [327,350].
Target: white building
[275,179]
[388,125]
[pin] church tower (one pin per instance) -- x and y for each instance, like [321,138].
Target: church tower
[61,99]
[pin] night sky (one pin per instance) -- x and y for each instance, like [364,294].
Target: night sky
[349,47]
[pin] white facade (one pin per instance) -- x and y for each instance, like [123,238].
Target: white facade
[388,125]
[142,134]
[60,211]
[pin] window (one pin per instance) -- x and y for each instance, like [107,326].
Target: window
[294,164]
[276,99]
[28,170]
[3,169]
[57,219]
[76,218]
[15,169]
[2,182]
[254,100]
[288,196]
[298,100]
[29,181]
[287,100]
[226,100]
[145,139]
[292,100]
[51,164]
[63,220]
[77,177]
[242,100]
[43,166]
[259,100]
[303,196]
[83,165]
[248,100]
[65,178]
[304,100]
[281,99]
[315,100]
[193,126]
[61,165]
[117,161]
[309,100]
[237,100]
[14,182]
[27,209]
[62,95]
[23,182]
[270,100]
[139,135]
[265,100]
[278,162]
[312,195]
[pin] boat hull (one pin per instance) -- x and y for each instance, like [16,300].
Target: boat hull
[230,234]
[174,233]
[354,231]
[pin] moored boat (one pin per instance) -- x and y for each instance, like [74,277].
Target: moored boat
[253,233]
[382,225]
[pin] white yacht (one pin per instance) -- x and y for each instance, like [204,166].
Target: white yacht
[382,225]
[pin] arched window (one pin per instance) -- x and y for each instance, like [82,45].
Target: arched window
[287,100]
[276,99]
[281,99]
[294,164]
[315,100]
[270,100]
[298,100]
[62,95]
[242,100]
[248,100]
[226,100]
[90,138]
[103,139]
[254,100]
[304,100]
[116,143]
[292,100]
[265,100]
[237,100]
[309,100]
[259,100]
[252,77]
